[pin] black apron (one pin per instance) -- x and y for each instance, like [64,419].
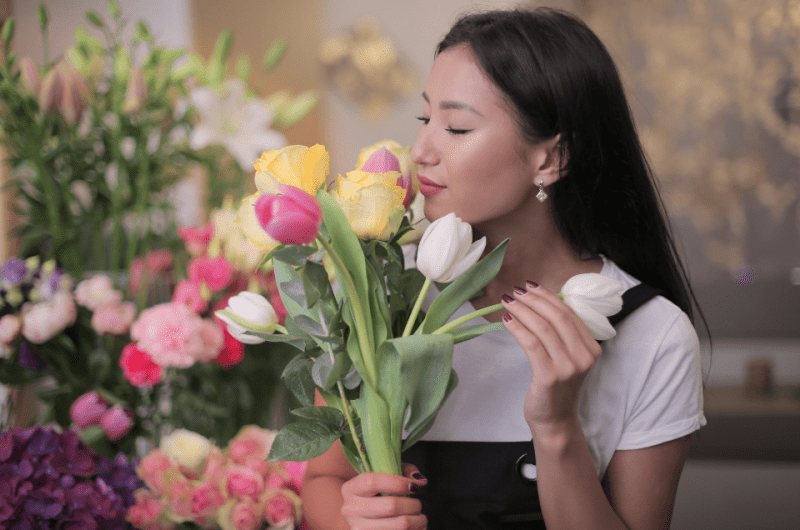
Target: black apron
[489,485]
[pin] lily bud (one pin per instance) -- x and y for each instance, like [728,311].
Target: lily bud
[446,249]
[88,409]
[29,75]
[293,217]
[251,307]
[52,90]
[135,93]
[76,92]
[594,297]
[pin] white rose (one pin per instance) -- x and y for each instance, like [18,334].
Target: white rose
[187,449]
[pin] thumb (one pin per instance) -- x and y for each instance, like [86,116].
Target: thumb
[411,472]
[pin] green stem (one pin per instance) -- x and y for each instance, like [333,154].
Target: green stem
[417,306]
[51,202]
[466,318]
[365,467]
[266,328]
[358,313]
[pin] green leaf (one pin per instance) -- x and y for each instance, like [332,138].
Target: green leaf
[290,286]
[463,288]
[415,435]
[463,333]
[8,31]
[113,8]
[326,372]
[315,282]
[274,54]
[328,415]
[292,254]
[297,377]
[142,32]
[94,18]
[41,11]
[302,441]
[292,340]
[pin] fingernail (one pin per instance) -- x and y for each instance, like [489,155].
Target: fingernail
[507,318]
[415,487]
[519,290]
[532,285]
[507,299]
[418,476]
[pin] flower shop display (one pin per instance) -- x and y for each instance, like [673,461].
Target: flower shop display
[189,480]
[382,365]
[51,479]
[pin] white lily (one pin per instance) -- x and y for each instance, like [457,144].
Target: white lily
[446,249]
[248,311]
[229,118]
[594,297]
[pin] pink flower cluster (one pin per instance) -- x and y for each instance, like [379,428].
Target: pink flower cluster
[111,315]
[237,488]
[91,409]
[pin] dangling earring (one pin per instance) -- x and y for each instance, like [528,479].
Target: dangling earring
[541,195]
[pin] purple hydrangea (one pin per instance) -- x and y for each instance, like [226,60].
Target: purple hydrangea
[28,358]
[51,479]
[14,271]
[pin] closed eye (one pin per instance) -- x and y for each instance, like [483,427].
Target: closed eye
[457,131]
[423,119]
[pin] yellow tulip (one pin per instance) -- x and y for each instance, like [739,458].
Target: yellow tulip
[296,165]
[372,202]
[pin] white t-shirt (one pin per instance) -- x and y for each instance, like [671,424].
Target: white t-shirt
[645,389]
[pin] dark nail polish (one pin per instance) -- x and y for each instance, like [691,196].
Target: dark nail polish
[507,318]
[532,285]
[415,487]
[507,299]
[418,476]
[519,290]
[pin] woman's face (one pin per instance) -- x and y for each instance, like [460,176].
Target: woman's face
[472,160]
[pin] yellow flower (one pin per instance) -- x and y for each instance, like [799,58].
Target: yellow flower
[403,155]
[186,449]
[251,228]
[230,242]
[296,165]
[372,202]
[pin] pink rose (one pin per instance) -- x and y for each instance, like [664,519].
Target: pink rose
[174,336]
[138,367]
[114,318]
[145,513]
[88,409]
[116,422]
[278,478]
[96,291]
[281,507]
[197,238]
[242,481]
[216,273]
[215,466]
[246,515]
[152,467]
[43,321]
[178,491]
[10,326]
[188,292]
[205,501]
[250,442]
[291,217]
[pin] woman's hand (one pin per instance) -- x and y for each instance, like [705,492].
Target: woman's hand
[560,349]
[380,501]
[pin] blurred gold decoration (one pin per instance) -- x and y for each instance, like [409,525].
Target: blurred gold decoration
[713,82]
[365,65]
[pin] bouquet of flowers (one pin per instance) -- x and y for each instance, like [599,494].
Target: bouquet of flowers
[190,480]
[382,366]
[51,479]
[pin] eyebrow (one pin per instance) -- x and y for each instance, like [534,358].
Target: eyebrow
[448,105]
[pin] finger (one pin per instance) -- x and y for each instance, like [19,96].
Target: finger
[527,313]
[405,522]
[412,472]
[386,507]
[373,484]
[531,345]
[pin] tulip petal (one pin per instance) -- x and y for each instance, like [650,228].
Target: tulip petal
[597,324]
[472,257]
[381,161]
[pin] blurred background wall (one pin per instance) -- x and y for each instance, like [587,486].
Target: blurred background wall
[715,87]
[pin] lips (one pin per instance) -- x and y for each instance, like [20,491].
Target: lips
[428,187]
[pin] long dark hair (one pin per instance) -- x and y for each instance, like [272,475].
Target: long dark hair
[559,79]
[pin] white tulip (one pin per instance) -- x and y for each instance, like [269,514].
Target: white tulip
[594,297]
[446,249]
[252,308]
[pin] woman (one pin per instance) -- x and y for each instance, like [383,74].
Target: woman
[526,134]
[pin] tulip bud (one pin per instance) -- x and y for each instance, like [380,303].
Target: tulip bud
[381,161]
[254,309]
[51,92]
[406,182]
[88,409]
[594,297]
[116,422]
[135,93]
[446,249]
[29,75]
[292,218]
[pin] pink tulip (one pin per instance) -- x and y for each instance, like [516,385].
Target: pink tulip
[159,260]
[88,409]
[405,182]
[116,422]
[29,75]
[292,217]
[75,93]
[381,161]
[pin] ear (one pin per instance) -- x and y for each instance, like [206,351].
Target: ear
[546,161]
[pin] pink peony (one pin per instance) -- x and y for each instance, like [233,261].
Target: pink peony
[197,238]
[116,422]
[291,217]
[250,442]
[216,273]
[188,292]
[88,409]
[206,499]
[114,318]
[43,321]
[281,507]
[10,326]
[174,336]
[242,481]
[151,469]
[138,367]
[147,510]
[96,291]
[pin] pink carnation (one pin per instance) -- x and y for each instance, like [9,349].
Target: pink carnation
[197,238]
[174,336]
[138,367]
[43,321]
[216,273]
[96,291]
[188,293]
[114,318]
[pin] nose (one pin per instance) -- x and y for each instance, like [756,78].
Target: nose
[423,152]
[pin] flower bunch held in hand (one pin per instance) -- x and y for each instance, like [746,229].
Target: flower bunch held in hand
[51,479]
[189,479]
